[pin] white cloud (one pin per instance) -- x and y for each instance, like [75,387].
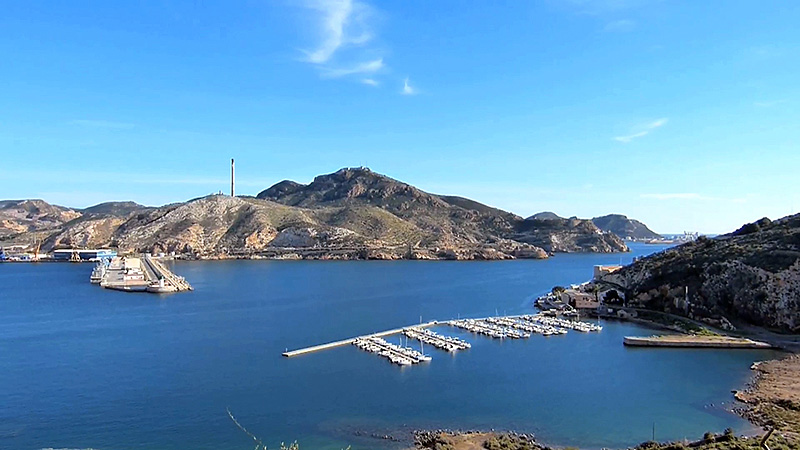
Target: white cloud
[619,26]
[367,67]
[102,124]
[342,23]
[346,47]
[408,89]
[345,50]
[644,131]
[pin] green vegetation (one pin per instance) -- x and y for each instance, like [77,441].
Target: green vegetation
[677,323]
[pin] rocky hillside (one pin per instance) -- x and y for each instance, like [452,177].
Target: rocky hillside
[567,235]
[625,228]
[114,209]
[750,275]
[349,214]
[25,216]
[442,221]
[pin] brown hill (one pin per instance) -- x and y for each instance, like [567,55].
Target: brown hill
[349,214]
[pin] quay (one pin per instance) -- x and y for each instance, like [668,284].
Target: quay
[137,274]
[316,348]
[694,341]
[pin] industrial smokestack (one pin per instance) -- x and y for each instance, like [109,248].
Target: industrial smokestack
[233,180]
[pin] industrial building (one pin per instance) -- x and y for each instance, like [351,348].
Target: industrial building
[83,255]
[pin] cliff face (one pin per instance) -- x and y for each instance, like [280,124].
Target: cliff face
[624,227]
[752,274]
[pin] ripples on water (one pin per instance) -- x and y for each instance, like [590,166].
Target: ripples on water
[85,367]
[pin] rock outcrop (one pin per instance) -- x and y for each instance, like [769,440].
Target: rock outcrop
[622,226]
[750,275]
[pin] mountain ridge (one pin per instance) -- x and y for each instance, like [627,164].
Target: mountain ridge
[352,213]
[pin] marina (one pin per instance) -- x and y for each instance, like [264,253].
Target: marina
[501,327]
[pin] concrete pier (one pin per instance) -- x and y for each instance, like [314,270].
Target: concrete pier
[316,348]
[691,341]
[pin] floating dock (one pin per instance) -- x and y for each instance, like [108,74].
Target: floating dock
[516,327]
[138,274]
[693,341]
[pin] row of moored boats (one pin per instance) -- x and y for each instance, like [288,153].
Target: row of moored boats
[404,356]
[440,341]
[576,325]
[483,326]
[528,326]
[517,327]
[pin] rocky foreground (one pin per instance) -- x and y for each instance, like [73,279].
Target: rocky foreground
[349,214]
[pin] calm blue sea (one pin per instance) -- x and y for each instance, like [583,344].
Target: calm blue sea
[85,367]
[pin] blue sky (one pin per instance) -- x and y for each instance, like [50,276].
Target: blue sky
[683,114]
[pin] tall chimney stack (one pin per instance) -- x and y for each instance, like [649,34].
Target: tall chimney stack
[233,180]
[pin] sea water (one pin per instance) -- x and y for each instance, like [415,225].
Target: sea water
[86,367]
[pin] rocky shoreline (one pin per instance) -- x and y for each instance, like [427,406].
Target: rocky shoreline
[772,399]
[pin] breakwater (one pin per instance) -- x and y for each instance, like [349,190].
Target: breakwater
[137,274]
[692,341]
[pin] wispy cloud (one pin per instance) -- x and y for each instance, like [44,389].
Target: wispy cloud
[674,196]
[693,196]
[619,26]
[367,67]
[769,104]
[346,47]
[102,124]
[643,131]
[598,7]
[345,29]
[408,89]
[342,23]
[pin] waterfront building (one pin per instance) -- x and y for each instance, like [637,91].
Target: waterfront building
[580,300]
[83,255]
